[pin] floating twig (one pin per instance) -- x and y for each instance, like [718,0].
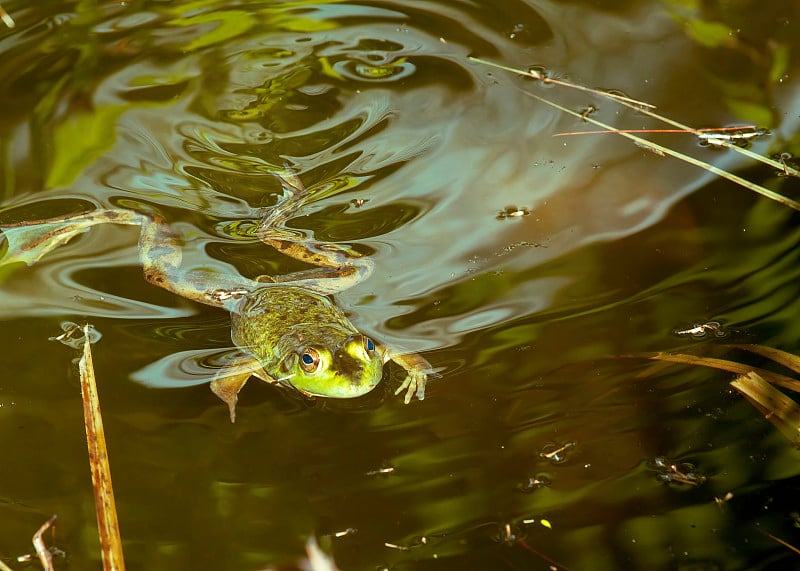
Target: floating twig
[784,543]
[45,557]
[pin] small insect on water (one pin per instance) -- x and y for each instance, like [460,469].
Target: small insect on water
[588,110]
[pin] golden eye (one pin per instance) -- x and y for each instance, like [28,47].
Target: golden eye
[310,360]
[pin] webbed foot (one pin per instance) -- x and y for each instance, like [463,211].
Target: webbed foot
[29,241]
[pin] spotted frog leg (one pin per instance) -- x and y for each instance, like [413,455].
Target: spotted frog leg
[159,253]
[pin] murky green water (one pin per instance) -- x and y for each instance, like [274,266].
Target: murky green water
[187,107]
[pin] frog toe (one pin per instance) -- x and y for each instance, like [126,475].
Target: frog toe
[413,383]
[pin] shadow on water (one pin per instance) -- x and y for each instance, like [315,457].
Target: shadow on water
[418,156]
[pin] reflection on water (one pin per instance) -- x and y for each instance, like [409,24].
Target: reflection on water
[423,160]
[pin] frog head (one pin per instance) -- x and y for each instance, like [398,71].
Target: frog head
[330,362]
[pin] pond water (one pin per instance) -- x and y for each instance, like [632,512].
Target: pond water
[535,446]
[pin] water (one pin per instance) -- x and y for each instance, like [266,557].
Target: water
[188,107]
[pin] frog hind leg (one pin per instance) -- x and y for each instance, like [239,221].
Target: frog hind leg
[159,253]
[231,379]
[338,267]
[29,241]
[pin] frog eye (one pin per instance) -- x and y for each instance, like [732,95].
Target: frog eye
[369,345]
[310,360]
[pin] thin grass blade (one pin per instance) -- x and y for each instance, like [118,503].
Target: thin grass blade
[647,109]
[776,407]
[791,362]
[722,365]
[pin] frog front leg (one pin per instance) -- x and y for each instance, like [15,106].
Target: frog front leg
[231,379]
[417,369]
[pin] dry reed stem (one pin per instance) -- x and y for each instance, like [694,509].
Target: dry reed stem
[108,526]
[755,384]
[776,407]
[722,365]
[791,362]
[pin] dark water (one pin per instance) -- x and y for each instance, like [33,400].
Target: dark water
[188,107]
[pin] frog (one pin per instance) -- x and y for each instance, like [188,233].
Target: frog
[287,329]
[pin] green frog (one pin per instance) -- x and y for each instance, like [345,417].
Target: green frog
[287,329]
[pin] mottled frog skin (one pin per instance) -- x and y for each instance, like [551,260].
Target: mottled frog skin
[287,329]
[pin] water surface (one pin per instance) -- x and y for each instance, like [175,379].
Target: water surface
[189,108]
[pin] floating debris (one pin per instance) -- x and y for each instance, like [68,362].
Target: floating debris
[384,470]
[557,453]
[512,212]
[345,532]
[789,164]
[73,335]
[670,472]
[509,534]
[739,137]
[421,540]
[699,330]
[723,500]
[534,483]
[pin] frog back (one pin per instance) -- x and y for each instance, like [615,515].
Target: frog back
[264,317]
